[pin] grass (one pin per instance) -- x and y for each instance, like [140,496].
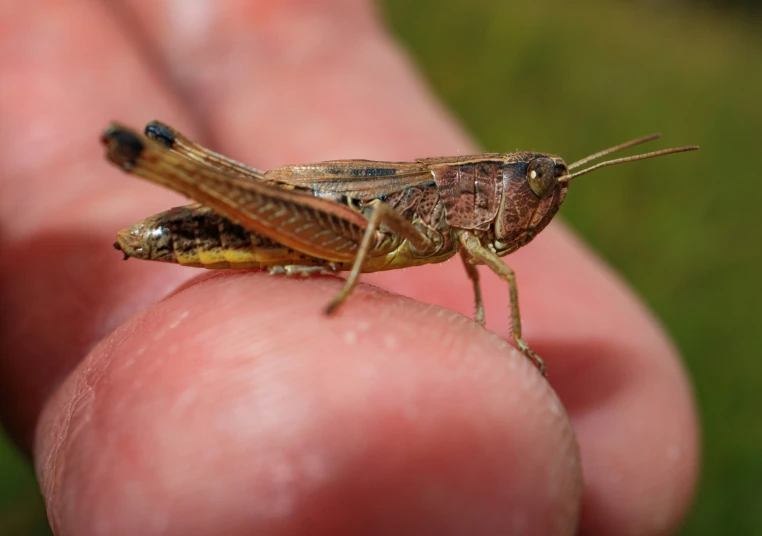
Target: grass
[572,77]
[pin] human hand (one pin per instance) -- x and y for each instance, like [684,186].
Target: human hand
[234,406]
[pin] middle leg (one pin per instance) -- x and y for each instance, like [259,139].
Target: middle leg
[473,275]
[474,248]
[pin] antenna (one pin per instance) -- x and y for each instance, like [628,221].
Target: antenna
[644,156]
[614,149]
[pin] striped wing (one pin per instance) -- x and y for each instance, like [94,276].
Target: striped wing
[360,179]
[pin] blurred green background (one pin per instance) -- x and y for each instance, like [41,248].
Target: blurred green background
[571,78]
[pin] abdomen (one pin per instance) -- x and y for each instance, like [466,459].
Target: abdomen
[194,235]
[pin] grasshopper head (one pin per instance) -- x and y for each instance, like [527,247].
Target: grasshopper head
[534,186]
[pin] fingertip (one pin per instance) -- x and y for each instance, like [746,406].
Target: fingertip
[256,412]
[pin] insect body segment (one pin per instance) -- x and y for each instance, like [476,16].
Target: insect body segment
[196,236]
[356,215]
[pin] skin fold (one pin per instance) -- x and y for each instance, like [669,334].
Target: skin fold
[155,400]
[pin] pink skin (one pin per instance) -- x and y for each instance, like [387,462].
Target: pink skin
[235,407]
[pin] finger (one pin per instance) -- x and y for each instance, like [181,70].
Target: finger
[254,415]
[66,70]
[603,350]
[341,89]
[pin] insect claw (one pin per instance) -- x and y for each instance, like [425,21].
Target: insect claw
[533,357]
[331,308]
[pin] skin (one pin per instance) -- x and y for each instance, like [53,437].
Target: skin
[233,406]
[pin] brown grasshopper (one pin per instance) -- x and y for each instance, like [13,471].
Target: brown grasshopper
[355,215]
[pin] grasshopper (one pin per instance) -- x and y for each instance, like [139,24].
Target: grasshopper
[347,215]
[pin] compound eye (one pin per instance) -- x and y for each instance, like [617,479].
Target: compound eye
[541,174]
